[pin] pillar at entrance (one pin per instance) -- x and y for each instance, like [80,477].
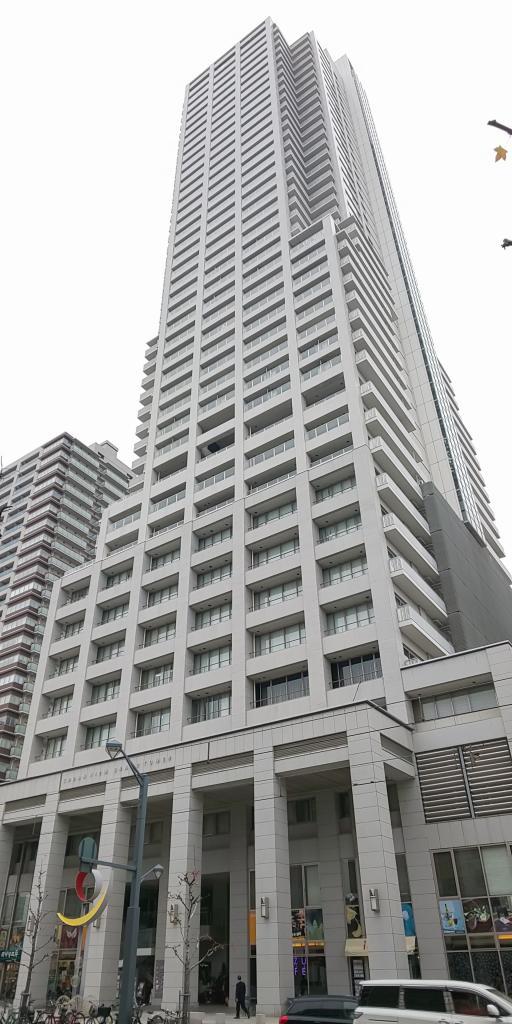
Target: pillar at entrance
[387,955]
[274,959]
[103,943]
[238,901]
[331,892]
[48,870]
[185,855]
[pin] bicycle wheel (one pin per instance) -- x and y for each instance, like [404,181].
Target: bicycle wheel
[157,1019]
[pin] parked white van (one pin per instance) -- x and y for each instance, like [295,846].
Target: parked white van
[430,1002]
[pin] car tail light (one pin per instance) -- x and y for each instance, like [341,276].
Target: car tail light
[283,1019]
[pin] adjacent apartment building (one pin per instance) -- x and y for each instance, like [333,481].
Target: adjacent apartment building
[298,625]
[51,502]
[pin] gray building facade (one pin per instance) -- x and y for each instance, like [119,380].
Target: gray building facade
[265,627]
[51,502]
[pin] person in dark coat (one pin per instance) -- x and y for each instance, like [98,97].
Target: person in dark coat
[240,998]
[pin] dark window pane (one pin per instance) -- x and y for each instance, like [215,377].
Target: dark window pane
[380,995]
[506,960]
[424,999]
[469,870]
[487,967]
[403,877]
[459,967]
[468,1002]
[317,975]
[445,874]
[297,895]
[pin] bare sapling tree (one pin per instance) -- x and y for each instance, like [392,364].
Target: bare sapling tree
[184,907]
[36,947]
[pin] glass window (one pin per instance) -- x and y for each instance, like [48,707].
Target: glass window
[296,887]
[403,877]
[469,871]
[469,1003]
[379,995]
[498,869]
[312,885]
[424,999]
[445,874]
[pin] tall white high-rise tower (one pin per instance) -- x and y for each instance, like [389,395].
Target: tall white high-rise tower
[273,624]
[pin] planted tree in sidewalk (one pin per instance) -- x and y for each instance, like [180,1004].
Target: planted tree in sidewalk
[36,948]
[184,907]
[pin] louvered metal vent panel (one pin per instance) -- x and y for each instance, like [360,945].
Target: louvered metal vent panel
[310,746]
[489,772]
[442,784]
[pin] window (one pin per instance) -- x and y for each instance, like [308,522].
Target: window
[385,996]
[157,596]
[107,651]
[274,595]
[356,670]
[347,525]
[167,631]
[157,676]
[424,999]
[215,538]
[111,614]
[350,618]
[287,547]
[217,823]
[220,572]
[344,571]
[157,561]
[67,665]
[206,708]
[301,812]
[284,688]
[459,702]
[53,747]
[208,661]
[60,704]
[105,691]
[470,1003]
[153,721]
[210,616]
[97,735]
[280,639]
[118,577]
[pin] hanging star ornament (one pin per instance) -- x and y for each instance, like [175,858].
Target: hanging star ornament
[501,153]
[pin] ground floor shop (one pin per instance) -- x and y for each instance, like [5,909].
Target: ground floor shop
[317,853]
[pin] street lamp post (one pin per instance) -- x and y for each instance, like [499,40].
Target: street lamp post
[127,987]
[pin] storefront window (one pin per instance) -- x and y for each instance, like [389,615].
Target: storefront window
[475,907]
[307,923]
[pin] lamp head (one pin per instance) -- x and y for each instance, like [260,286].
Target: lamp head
[113,748]
[158,871]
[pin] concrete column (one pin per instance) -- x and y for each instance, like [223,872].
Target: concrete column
[185,855]
[274,960]
[47,877]
[422,882]
[238,900]
[6,845]
[331,893]
[103,943]
[387,956]
[161,917]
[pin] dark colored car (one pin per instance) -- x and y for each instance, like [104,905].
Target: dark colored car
[319,1010]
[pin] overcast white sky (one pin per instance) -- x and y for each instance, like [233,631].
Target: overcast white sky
[91,97]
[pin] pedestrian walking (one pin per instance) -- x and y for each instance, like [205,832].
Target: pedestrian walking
[240,998]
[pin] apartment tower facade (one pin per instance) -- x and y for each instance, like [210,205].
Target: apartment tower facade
[297,623]
[51,501]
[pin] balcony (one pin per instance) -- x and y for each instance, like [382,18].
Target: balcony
[395,498]
[378,426]
[375,371]
[416,588]
[421,631]
[388,462]
[409,545]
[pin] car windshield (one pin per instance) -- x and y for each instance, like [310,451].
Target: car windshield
[504,1000]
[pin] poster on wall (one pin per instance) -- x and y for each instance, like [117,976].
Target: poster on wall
[408,918]
[353,917]
[452,917]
